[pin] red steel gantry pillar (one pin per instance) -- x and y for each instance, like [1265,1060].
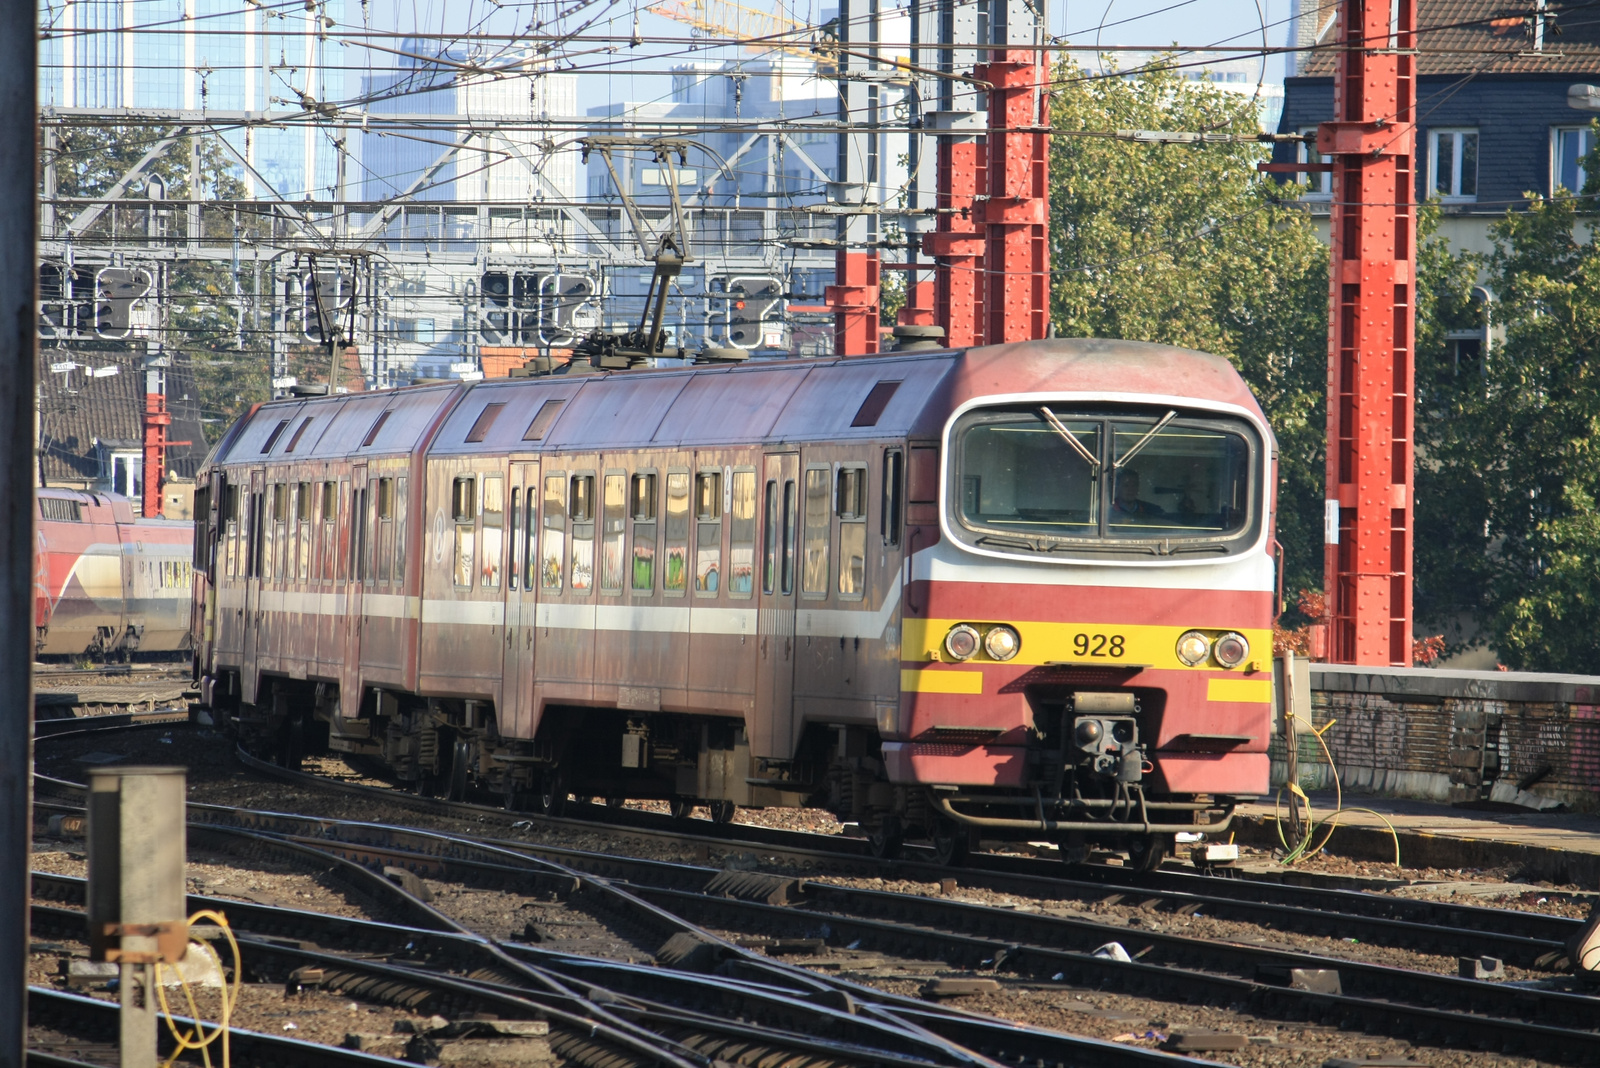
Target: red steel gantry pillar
[1371,331]
[1016,249]
[156,421]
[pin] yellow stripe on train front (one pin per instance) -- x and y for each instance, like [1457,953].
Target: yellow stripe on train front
[1109,644]
[913,681]
[1255,691]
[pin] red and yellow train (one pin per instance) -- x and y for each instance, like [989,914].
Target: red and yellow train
[1022,591]
[108,582]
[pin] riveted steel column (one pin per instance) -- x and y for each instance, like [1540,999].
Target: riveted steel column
[956,245]
[854,294]
[18,342]
[1016,255]
[1371,330]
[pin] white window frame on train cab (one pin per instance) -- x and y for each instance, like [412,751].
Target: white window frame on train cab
[1269,455]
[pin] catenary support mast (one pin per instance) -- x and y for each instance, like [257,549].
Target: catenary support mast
[1371,331]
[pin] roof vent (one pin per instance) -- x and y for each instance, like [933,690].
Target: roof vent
[319,389]
[918,338]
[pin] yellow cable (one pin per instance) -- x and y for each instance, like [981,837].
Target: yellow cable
[1304,850]
[197,1038]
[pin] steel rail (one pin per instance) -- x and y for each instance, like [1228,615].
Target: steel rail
[74,1014]
[1519,937]
[1313,902]
[1391,1001]
[1522,938]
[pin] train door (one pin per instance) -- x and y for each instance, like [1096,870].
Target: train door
[250,566]
[516,682]
[357,561]
[779,506]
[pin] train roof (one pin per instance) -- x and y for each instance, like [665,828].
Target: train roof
[828,399]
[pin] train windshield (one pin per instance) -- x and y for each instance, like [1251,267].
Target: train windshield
[1051,479]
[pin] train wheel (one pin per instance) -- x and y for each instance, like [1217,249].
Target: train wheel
[460,762]
[886,839]
[616,802]
[552,796]
[680,808]
[723,811]
[1146,852]
[951,844]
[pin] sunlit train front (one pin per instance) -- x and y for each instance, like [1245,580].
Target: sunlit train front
[1090,654]
[1015,592]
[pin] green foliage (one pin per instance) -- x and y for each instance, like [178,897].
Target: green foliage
[1189,245]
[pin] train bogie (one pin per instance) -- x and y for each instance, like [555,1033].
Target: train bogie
[1017,592]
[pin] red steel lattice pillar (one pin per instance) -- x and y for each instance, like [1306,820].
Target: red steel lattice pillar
[957,244]
[1016,251]
[156,421]
[854,300]
[1371,331]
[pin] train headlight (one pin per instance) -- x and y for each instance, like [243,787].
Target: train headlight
[1231,649]
[962,642]
[1193,648]
[1001,642]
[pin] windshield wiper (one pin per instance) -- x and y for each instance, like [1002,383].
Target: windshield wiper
[1006,543]
[1142,442]
[1088,457]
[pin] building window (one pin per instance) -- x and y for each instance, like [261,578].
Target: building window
[1568,146]
[1453,164]
[1318,184]
[125,471]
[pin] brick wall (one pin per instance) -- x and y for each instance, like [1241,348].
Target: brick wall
[1452,735]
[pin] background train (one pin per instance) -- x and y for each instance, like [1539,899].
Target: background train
[108,582]
[1022,591]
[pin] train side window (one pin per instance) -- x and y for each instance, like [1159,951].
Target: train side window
[850,504]
[791,530]
[513,570]
[675,579]
[464,510]
[360,521]
[280,528]
[769,544]
[330,521]
[552,551]
[257,522]
[893,495]
[343,531]
[384,561]
[613,531]
[203,530]
[581,505]
[302,518]
[494,518]
[818,528]
[530,535]
[230,527]
[708,533]
[742,535]
[399,530]
[642,506]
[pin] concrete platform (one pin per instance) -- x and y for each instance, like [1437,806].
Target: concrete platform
[1560,848]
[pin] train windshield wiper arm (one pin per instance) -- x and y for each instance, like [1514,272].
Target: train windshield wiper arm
[1142,442]
[1066,435]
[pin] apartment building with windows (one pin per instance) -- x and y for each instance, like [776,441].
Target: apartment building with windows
[1493,120]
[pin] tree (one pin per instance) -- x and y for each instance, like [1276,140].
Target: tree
[1189,245]
[1515,452]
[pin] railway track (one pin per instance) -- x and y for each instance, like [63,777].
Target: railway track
[1015,947]
[1525,939]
